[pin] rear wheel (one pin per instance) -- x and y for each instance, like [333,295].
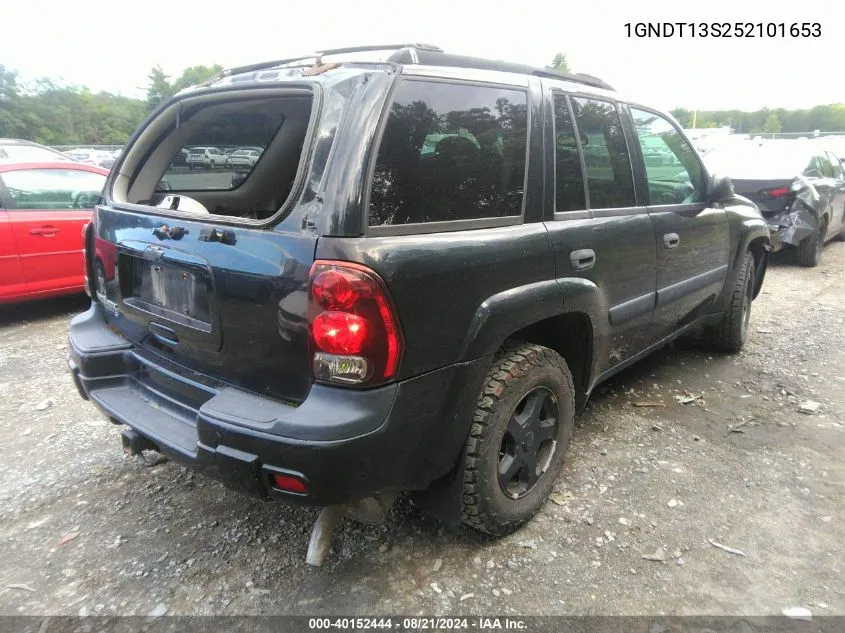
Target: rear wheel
[809,251]
[731,333]
[519,438]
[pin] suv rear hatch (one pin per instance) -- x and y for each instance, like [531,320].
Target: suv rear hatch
[189,265]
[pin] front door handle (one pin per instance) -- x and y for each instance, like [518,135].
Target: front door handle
[671,240]
[582,259]
[46,230]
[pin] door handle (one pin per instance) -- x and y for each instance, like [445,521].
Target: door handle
[46,231]
[671,240]
[582,259]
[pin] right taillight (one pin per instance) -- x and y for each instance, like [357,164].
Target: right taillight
[355,334]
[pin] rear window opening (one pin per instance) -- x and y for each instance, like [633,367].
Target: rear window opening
[220,154]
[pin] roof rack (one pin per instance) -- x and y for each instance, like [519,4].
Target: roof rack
[427,54]
[318,54]
[439,58]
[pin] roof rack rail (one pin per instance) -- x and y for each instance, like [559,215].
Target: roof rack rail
[321,53]
[423,54]
[439,58]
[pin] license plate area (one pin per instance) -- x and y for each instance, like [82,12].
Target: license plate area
[176,294]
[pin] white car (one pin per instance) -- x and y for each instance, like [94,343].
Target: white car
[244,158]
[209,157]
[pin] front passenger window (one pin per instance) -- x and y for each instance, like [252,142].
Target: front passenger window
[672,168]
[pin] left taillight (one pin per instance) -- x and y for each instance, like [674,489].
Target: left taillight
[777,192]
[355,335]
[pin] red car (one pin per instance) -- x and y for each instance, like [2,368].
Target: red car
[43,210]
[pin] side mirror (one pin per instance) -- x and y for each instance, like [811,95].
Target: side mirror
[721,189]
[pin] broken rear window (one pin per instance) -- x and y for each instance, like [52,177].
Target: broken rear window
[215,173]
[235,154]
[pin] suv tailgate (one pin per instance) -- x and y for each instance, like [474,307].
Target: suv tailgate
[228,301]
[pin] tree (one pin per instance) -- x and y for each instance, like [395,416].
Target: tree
[683,116]
[158,88]
[560,64]
[195,75]
[772,124]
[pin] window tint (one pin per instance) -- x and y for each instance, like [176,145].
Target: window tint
[52,188]
[827,168]
[450,152]
[569,181]
[191,168]
[609,179]
[672,168]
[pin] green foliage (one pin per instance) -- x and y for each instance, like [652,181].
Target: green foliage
[772,124]
[52,114]
[560,64]
[160,88]
[825,118]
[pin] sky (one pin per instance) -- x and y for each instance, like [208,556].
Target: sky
[113,45]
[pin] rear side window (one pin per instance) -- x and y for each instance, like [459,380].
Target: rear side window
[569,181]
[52,189]
[450,152]
[609,179]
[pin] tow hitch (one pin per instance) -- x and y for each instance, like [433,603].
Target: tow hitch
[134,445]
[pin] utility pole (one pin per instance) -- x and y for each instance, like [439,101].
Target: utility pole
[694,117]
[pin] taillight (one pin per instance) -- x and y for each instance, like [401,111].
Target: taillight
[355,335]
[777,192]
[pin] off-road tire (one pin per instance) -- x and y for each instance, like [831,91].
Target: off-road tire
[518,368]
[809,250]
[730,334]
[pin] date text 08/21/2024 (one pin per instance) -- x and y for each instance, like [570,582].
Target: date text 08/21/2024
[416,624]
[723,29]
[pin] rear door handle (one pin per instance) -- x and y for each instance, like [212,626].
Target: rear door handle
[671,240]
[582,259]
[46,231]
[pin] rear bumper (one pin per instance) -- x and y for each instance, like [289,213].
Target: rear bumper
[345,444]
[792,226]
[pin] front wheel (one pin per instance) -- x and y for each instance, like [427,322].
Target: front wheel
[730,334]
[519,437]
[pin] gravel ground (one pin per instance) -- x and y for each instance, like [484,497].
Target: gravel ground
[630,529]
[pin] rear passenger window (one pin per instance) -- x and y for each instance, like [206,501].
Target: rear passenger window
[569,181]
[609,179]
[450,152]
